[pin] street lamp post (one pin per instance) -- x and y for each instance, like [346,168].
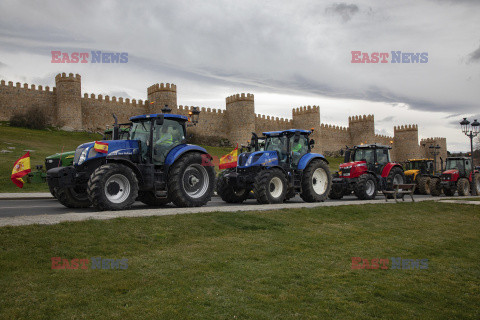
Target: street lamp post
[471,131]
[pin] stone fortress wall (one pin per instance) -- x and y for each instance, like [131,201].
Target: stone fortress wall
[65,107]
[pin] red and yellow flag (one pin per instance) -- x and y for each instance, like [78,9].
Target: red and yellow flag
[229,160]
[21,168]
[101,147]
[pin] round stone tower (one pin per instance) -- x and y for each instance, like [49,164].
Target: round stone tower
[240,114]
[160,95]
[362,129]
[405,143]
[69,101]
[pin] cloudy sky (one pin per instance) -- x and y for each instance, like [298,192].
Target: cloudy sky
[287,53]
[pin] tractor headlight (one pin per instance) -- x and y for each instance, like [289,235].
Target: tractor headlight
[83,156]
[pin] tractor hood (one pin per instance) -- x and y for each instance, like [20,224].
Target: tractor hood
[87,150]
[258,158]
[411,172]
[60,154]
[348,165]
[451,171]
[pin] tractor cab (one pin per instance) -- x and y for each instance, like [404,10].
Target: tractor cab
[365,158]
[282,148]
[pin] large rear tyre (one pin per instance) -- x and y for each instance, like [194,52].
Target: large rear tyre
[72,197]
[336,192]
[463,187]
[366,187]
[112,187]
[435,187]
[316,181]
[396,176]
[149,198]
[270,186]
[228,193]
[424,185]
[190,182]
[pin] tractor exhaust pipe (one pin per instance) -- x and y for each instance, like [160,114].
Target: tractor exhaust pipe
[115,134]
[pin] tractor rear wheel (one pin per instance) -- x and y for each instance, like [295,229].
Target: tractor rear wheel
[336,192]
[228,193]
[112,187]
[424,185]
[463,187]
[190,182]
[316,181]
[149,198]
[270,186]
[435,187]
[396,176]
[72,197]
[366,187]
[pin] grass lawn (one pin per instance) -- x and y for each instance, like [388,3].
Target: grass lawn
[47,142]
[257,265]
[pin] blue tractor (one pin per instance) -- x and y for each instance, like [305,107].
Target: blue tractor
[154,165]
[285,167]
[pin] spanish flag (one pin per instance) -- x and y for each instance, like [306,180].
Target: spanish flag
[21,168]
[101,147]
[229,160]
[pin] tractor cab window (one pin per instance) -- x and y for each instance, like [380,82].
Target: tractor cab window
[298,148]
[165,137]
[141,131]
[383,156]
[364,155]
[278,144]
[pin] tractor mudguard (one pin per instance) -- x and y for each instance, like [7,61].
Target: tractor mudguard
[176,152]
[305,160]
[388,167]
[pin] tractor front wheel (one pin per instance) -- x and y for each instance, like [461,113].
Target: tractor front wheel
[112,187]
[270,186]
[228,193]
[463,187]
[72,197]
[316,182]
[424,185]
[190,182]
[366,187]
[435,187]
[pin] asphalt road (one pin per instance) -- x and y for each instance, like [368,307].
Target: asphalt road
[17,208]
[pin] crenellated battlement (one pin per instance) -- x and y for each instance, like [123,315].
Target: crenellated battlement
[240,97]
[382,136]
[410,127]
[162,87]
[361,118]
[333,127]
[305,110]
[276,120]
[115,100]
[25,86]
[71,77]
[432,140]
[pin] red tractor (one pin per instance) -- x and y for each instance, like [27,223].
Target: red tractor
[367,169]
[456,177]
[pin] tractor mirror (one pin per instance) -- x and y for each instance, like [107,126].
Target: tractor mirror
[159,120]
[311,142]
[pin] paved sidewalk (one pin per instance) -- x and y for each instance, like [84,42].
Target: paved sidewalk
[80,216]
[25,196]
[461,201]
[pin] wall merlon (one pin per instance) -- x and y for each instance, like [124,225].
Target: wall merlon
[240,97]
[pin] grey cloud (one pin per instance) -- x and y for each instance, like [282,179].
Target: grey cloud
[474,56]
[346,11]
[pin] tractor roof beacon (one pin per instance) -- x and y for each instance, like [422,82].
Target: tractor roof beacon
[285,167]
[367,169]
[154,164]
[457,177]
